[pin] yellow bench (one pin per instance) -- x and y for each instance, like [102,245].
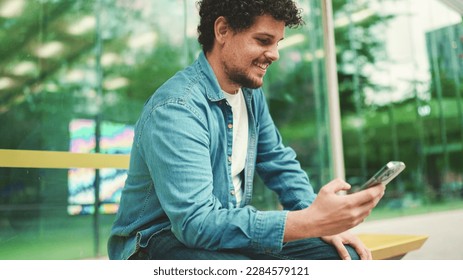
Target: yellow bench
[392,246]
[382,246]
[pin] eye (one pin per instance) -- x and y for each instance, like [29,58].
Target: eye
[264,41]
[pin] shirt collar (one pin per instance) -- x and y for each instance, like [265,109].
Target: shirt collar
[213,90]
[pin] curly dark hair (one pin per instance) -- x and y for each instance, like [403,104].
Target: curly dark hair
[241,15]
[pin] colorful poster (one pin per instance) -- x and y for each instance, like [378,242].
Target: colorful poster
[115,139]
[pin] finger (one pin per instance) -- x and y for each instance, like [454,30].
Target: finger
[379,189]
[370,256]
[369,196]
[342,250]
[378,193]
[363,252]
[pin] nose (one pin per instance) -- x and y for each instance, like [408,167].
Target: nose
[272,53]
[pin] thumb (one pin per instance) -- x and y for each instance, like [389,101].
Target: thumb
[338,185]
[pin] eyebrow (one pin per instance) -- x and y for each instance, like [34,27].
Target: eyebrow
[268,35]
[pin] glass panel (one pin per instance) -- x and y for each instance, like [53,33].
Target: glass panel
[66,63]
[75,74]
[295,87]
[400,83]
[35,223]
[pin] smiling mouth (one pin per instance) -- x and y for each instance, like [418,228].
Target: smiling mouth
[262,66]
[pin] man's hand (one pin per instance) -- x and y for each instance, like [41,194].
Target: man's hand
[331,213]
[346,238]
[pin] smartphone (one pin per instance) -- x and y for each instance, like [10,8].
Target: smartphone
[385,174]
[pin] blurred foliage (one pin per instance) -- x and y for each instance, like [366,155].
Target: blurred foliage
[358,45]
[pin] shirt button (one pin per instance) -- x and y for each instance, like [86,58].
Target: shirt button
[230,126]
[232,193]
[229,159]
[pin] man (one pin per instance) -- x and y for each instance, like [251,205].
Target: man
[198,142]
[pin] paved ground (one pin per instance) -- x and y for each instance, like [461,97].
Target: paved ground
[445,231]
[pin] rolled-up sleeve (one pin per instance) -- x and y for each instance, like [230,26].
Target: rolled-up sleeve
[269,231]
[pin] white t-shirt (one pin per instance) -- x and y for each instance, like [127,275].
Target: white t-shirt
[240,140]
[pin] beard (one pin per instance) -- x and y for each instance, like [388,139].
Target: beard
[241,77]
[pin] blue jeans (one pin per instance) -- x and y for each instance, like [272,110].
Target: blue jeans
[165,246]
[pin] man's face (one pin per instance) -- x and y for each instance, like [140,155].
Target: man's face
[247,54]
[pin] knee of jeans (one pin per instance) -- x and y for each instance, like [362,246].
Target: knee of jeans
[353,254]
[139,255]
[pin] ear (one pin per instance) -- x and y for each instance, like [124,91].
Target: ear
[221,30]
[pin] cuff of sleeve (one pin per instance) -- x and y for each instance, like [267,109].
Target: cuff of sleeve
[304,204]
[269,231]
[301,205]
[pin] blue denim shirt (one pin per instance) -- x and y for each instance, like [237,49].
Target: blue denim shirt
[179,177]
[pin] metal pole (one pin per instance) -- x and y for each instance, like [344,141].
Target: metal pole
[333,91]
[440,98]
[96,185]
[357,95]
[99,90]
[320,110]
[452,32]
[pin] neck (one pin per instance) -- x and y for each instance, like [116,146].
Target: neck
[232,93]
[214,60]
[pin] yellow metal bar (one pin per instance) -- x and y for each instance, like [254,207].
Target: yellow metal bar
[52,159]
[392,246]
